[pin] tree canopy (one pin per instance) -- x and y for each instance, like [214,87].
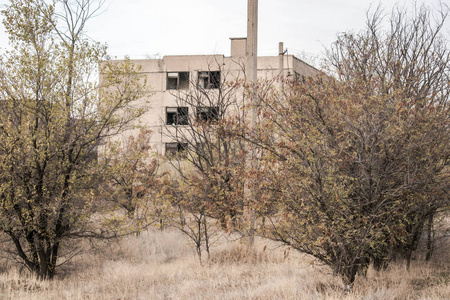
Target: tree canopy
[54,116]
[359,162]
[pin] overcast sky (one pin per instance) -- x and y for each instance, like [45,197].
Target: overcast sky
[149,28]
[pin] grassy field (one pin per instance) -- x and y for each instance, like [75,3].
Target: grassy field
[163,265]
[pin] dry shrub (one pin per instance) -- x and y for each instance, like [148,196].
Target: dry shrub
[262,252]
[152,246]
[237,254]
[396,282]
[18,282]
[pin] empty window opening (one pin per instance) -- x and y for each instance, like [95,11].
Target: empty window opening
[176,149]
[209,79]
[208,113]
[299,78]
[178,80]
[177,116]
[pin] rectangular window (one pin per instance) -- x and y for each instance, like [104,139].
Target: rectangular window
[208,113]
[209,79]
[175,148]
[177,116]
[178,80]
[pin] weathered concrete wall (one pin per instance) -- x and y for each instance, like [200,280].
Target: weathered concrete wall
[156,71]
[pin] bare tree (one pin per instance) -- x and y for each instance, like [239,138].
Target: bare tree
[211,166]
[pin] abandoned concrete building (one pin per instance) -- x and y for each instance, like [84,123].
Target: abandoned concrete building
[172,76]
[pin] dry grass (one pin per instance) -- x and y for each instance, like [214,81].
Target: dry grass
[162,265]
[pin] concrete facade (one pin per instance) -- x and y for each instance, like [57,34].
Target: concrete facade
[174,74]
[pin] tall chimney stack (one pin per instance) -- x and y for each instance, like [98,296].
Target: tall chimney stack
[281,58]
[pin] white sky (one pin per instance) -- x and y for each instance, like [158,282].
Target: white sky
[149,28]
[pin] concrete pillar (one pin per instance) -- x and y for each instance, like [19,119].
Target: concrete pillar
[252,40]
[251,77]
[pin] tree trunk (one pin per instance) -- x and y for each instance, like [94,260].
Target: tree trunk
[430,237]
[205,230]
[349,276]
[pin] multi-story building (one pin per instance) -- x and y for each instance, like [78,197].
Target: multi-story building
[173,77]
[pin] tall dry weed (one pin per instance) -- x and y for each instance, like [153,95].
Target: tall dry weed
[163,265]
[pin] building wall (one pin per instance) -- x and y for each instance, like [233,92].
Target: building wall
[157,70]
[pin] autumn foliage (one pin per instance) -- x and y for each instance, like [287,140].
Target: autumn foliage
[359,162]
[350,166]
[53,120]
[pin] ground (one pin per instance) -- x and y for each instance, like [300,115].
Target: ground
[163,265]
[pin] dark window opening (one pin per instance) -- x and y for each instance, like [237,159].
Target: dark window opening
[208,113]
[176,149]
[209,79]
[299,78]
[177,116]
[178,80]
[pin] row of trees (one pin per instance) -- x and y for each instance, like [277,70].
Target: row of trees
[352,166]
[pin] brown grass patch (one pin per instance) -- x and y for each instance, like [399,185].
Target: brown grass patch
[163,265]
